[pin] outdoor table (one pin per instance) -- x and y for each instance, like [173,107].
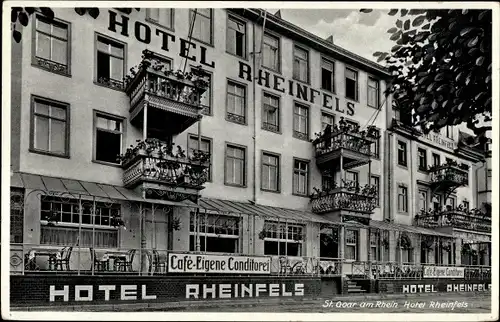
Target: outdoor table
[40,251]
[113,256]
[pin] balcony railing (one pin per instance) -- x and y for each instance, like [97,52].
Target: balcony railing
[344,198]
[449,174]
[455,218]
[343,140]
[153,161]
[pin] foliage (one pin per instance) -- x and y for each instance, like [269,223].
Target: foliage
[441,67]
[404,241]
[176,223]
[21,15]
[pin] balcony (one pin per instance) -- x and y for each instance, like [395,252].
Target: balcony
[344,142]
[473,220]
[172,98]
[154,168]
[447,177]
[346,202]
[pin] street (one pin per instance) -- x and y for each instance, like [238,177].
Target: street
[461,303]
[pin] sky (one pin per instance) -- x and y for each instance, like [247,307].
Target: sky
[361,33]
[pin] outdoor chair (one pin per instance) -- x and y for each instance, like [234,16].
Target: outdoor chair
[100,264]
[158,263]
[62,263]
[125,265]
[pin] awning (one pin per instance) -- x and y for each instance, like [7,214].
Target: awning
[79,188]
[248,208]
[409,229]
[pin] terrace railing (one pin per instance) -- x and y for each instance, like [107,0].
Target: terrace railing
[342,199]
[455,218]
[354,142]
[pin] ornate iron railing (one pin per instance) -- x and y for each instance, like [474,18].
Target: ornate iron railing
[342,199]
[455,218]
[166,170]
[449,173]
[343,140]
[51,65]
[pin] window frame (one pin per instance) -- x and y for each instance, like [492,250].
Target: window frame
[211,87]
[278,170]
[278,97]
[96,114]
[308,62]
[373,176]
[210,143]
[307,173]
[207,223]
[125,56]
[356,99]
[405,144]
[376,150]
[278,38]
[449,132]
[324,113]
[245,156]
[355,245]
[331,61]
[434,155]
[157,23]
[308,120]
[236,19]
[66,106]
[403,210]
[421,167]
[284,227]
[245,103]
[211,42]
[377,81]
[34,61]
[426,200]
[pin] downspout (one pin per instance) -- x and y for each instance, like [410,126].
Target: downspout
[254,174]
[476,182]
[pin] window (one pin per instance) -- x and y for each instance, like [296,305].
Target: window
[301,121]
[402,153]
[282,238]
[375,254]
[236,39]
[373,92]
[202,29]
[375,181]
[16,215]
[236,103]
[351,244]
[376,150]
[351,84]
[449,132]
[327,182]
[300,177]
[402,199]
[108,137]
[300,64]
[406,255]
[351,178]
[422,159]
[436,202]
[436,159]
[422,200]
[450,204]
[161,16]
[327,75]
[206,97]
[271,52]
[448,160]
[488,173]
[327,119]
[50,127]
[271,112]
[466,205]
[206,146]
[270,172]
[235,165]
[216,233]
[60,222]
[52,49]
[110,62]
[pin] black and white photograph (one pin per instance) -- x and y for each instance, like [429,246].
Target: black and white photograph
[250,161]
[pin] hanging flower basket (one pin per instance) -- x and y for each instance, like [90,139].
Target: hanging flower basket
[176,223]
[263,234]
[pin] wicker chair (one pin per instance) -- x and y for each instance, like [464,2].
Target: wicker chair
[100,264]
[62,263]
[125,265]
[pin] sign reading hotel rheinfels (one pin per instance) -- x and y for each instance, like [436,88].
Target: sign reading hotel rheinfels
[200,263]
[146,34]
[444,272]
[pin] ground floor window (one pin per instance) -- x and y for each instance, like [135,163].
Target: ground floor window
[282,238]
[329,243]
[404,249]
[16,215]
[214,233]
[375,249]
[351,244]
[75,222]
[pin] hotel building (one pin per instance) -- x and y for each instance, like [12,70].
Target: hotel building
[303,158]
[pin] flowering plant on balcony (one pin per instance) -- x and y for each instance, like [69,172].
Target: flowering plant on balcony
[367,190]
[404,241]
[427,242]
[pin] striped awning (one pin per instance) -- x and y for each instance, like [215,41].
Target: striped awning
[406,228]
[84,189]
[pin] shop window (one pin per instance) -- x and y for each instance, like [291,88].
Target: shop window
[110,62]
[16,215]
[215,233]
[351,244]
[282,238]
[108,131]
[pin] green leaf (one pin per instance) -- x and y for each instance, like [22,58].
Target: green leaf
[17,35]
[80,11]
[418,21]
[439,77]
[94,12]
[13,15]
[395,48]
[377,53]
[473,42]
[465,31]
[47,12]
[392,30]
[426,26]
[416,12]
[407,24]
[393,12]
[366,10]
[396,36]
[480,61]
[399,23]
[23,18]
[482,15]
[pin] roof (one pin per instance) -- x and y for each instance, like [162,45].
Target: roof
[409,229]
[71,188]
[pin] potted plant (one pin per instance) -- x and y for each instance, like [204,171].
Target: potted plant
[176,223]
[263,233]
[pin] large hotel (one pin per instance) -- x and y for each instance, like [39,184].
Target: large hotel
[144,138]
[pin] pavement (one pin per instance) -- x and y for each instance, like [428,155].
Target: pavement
[469,302]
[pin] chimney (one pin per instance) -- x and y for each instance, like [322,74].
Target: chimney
[330,39]
[278,14]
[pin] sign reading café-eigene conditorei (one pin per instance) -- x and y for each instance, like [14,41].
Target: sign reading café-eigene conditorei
[198,53]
